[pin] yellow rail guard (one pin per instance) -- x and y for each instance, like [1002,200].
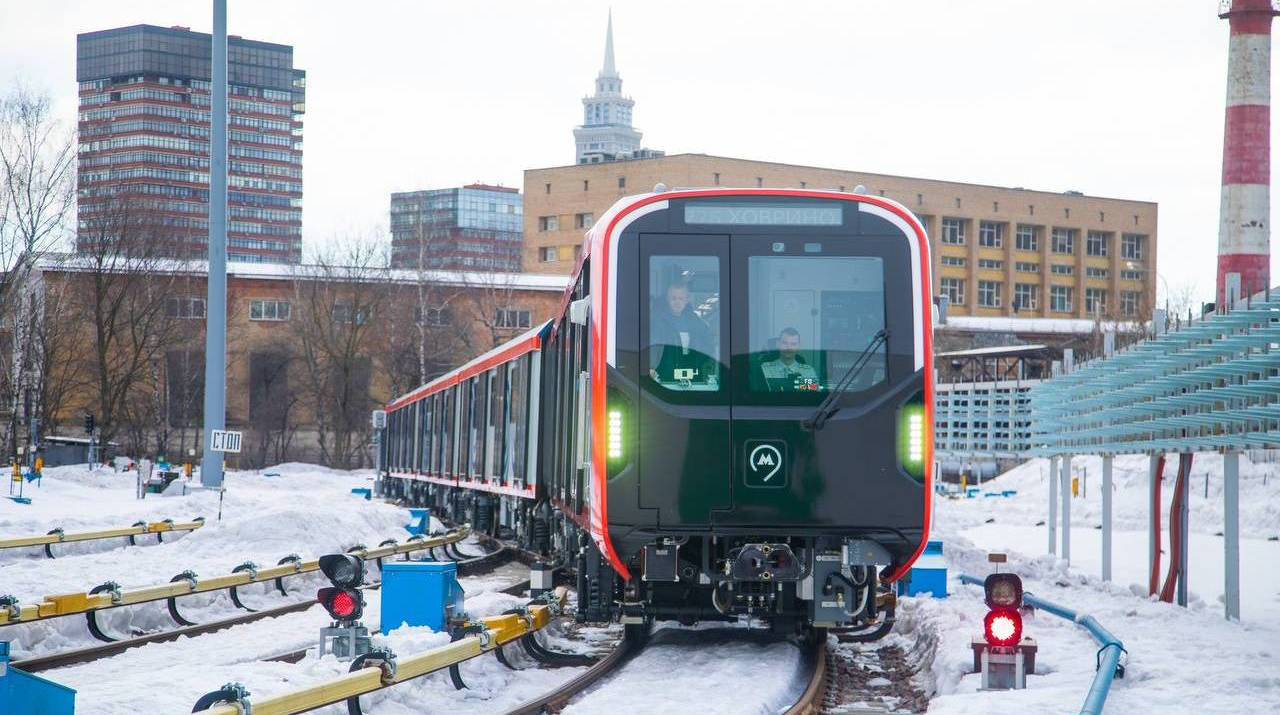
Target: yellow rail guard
[58,536]
[66,604]
[496,631]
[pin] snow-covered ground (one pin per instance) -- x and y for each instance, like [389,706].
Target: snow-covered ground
[1181,661]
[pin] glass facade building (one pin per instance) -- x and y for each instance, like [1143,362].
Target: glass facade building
[144,141]
[470,228]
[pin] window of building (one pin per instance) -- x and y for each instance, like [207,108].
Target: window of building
[990,263]
[1026,296]
[953,261]
[1131,246]
[953,288]
[185,307]
[268,310]
[1093,272]
[1059,269]
[583,220]
[548,253]
[1026,267]
[622,182]
[1129,302]
[1131,275]
[990,234]
[1027,237]
[548,188]
[1064,240]
[433,317]
[717,178]
[1060,299]
[512,318]
[548,223]
[586,185]
[953,231]
[1096,243]
[925,221]
[1095,301]
[759,181]
[345,311]
[989,294]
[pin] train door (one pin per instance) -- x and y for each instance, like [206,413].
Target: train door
[684,397]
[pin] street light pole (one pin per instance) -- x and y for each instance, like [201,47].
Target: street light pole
[215,356]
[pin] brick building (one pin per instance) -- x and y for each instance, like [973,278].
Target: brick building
[311,349]
[997,251]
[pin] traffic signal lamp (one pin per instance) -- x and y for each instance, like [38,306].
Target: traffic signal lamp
[1003,623]
[343,600]
[89,422]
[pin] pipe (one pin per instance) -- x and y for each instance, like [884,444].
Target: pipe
[1109,649]
[58,536]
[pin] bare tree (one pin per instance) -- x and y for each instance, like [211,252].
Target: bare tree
[339,303]
[133,302]
[492,300]
[37,161]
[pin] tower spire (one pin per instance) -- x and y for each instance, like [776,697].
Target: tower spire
[609,70]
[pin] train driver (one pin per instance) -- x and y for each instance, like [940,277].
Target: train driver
[681,342]
[789,372]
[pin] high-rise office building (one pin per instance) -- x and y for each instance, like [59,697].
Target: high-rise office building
[144,140]
[470,228]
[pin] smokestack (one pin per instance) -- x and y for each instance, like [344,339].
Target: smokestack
[1244,229]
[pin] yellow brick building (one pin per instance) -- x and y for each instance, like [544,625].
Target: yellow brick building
[997,251]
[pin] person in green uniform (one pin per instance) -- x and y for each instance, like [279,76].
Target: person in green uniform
[788,372]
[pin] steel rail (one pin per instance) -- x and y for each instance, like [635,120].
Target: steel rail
[810,701]
[1109,651]
[492,632]
[559,697]
[470,567]
[188,583]
[58,536]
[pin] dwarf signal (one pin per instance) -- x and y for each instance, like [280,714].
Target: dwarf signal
[1002,654]
[345,603]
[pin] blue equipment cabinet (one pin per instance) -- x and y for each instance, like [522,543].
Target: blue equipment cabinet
[928,574]
[420,593]
[22,692]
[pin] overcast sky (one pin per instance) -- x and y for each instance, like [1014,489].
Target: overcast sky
[1121,99]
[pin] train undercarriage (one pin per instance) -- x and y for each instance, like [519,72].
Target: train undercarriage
[792,584]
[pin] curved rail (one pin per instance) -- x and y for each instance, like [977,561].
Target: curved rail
[59,536]
[560,696]
[382,669]
[110,595]
[1109,647]
[810,702]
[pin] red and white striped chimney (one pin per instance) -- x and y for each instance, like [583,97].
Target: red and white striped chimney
[1244,230]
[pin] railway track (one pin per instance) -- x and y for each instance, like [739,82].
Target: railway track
[474,566]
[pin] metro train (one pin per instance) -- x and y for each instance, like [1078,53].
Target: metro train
[730,414]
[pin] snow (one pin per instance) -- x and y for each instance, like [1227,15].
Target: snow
[1180,661]
[705,671]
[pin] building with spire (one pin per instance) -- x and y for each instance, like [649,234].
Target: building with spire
[606,133]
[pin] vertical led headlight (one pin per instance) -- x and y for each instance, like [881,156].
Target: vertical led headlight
[619,432]
[912,433]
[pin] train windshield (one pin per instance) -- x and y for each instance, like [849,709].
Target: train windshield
[810,317]
[684,322]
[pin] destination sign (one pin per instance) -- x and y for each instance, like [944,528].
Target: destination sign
[753,214]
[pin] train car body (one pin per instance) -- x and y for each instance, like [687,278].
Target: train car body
[731,415]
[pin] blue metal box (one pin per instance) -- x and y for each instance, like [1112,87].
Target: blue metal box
[929,573]
[420,593]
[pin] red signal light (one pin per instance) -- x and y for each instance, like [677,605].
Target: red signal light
[343,604]
[1002,627]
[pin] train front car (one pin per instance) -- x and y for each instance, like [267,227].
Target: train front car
[761,406]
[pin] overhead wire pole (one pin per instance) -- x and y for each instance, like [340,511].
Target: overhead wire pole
[215,356]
